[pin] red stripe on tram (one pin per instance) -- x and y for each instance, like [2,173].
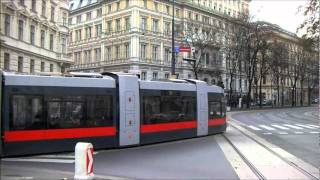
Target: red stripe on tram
[217,121]
[34,135]
[151,128]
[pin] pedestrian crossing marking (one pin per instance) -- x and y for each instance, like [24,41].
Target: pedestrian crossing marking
[313,125]
[280,127]
[298,132]
[292,126]
[267,127]
[267,133]
[305,126]
[314,132]
[254,128]
[283,133]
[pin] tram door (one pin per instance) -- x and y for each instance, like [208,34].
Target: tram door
[129,113]
[202,108]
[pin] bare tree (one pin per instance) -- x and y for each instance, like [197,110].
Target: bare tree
[263,66]
[278,58]
[252,45]
[311,24]
[294,73]
[234,49]
[203,38]
[312,76]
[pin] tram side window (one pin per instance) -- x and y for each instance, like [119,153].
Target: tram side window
[166,109]
[26,113]
[151,107]
[215,110]
[65,113]
[99,111]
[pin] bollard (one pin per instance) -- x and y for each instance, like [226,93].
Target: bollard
[83,161]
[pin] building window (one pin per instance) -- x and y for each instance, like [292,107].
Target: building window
[167,9]
[107,52]
[21,30]
[127,50]
[63,45]
[21,2]
[70,21]
[42,66]
[51,67]
[97,52]
[155,26]
[99,12]
[109,24]
[88,32]
[155,6]
[189,15]
[98,30]
[109,8]
[177,12]
[32,34]
[118,5]
[118,25]
[7,24]
[127,3]
[166,75]
[20,64]
[143,48]
[44,6]
[166,28]
[89,56]
[128,24]
[31,66]
[64,19]
[154,75]
[79,19]
[33,5]
[117,52]
[154,53]
[6,61]
[51,42]
[88,16]
[143,75]
[52,14]
[145,3]
[143,23]
[166,54]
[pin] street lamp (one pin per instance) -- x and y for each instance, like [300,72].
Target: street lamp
[173,60]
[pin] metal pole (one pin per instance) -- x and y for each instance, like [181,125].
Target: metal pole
[173,60]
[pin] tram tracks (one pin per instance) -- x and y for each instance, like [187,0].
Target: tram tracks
[246,160]
[259,174]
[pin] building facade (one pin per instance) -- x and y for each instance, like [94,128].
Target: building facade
[135,36]
[296,78]
[33,35]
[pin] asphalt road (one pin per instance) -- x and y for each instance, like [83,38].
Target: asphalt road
[295,130]
[198,158]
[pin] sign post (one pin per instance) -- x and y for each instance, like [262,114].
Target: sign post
[83,161]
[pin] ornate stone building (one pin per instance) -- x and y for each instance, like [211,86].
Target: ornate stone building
[135,36]
[33,35]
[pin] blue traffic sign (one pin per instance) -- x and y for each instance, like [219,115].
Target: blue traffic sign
[177,49]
